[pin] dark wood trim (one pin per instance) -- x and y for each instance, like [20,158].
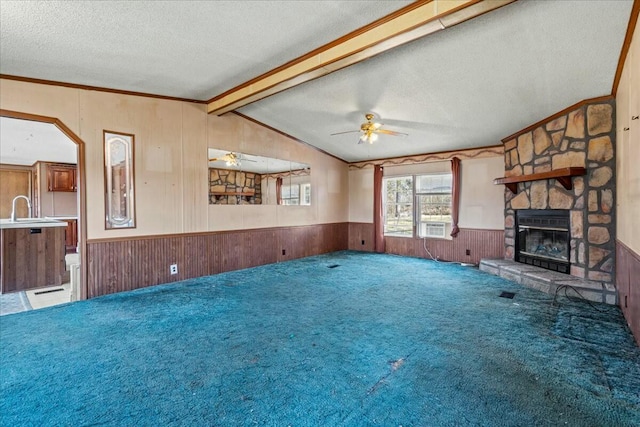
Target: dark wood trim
[562,175]
[234,193]
[97,88]
[633,19]
[604,98]
[82,180]
[204,233]
[285,135]
[414,156]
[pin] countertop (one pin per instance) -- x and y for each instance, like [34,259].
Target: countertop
[61,217]
[31,223]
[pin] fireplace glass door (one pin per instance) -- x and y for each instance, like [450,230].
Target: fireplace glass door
[550,244]
[543,240]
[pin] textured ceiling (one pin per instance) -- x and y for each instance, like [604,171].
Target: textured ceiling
[188,49]
[466,86]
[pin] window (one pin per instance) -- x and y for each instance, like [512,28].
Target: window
[291,194]
[429,200]
[397,199]
[296,194]
[305,194]
[433,196]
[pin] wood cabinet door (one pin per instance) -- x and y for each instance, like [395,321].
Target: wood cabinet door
[14,183]
[61,178]
[71,235]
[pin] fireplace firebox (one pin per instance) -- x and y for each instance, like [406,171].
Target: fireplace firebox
[543,239]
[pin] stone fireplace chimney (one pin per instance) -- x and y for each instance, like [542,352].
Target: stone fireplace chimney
[581,136]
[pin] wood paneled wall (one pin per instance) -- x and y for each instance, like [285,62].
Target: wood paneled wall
[359,231]
[628,286]
[117,265]
[481,243]
[16,180]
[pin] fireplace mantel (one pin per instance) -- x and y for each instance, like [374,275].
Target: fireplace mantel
[562,175]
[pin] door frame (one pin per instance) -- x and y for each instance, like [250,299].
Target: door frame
[82,205]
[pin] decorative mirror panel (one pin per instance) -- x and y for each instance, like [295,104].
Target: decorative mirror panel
[119,182]
[245,179]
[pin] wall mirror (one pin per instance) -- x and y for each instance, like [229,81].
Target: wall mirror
[119,187]
[246,179]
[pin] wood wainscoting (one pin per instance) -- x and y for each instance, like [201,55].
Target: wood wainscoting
[359,232]
[116,265]
[480,243]
[628,286]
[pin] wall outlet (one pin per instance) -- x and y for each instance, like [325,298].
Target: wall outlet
[468,251]
[363,242]
[173,269]
[284,252]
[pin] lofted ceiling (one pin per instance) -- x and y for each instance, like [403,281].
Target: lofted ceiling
[466,86]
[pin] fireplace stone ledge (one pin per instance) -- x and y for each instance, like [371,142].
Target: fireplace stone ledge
[551,282]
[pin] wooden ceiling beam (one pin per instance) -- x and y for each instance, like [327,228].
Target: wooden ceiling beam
[416,20]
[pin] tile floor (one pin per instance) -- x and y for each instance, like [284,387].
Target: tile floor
[38,298]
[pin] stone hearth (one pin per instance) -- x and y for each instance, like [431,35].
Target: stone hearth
[551,282]
[583,137]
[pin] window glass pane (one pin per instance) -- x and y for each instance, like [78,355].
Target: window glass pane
[435,207]
[399,219]
[436,183]
[306,194]
[398,206]
[399,190]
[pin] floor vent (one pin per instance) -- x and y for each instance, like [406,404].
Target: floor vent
[334,266]
[506,294]
[48,291]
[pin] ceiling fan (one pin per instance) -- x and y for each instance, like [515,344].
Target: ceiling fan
[231,159]
[370,130]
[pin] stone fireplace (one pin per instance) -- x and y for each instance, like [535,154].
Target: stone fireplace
[582,136]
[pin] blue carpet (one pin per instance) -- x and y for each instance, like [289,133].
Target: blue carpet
[375,340]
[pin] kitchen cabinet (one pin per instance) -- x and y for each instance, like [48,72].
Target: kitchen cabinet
[62,177]
[71,235]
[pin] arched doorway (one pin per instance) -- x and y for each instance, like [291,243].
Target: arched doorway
[80,187]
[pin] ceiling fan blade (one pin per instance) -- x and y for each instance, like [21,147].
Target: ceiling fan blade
[391,132]
[340,133]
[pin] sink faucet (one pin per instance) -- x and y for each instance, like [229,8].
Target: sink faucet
[13,207]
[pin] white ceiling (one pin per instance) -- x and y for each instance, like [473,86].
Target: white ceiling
[24,142]
[466,86]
